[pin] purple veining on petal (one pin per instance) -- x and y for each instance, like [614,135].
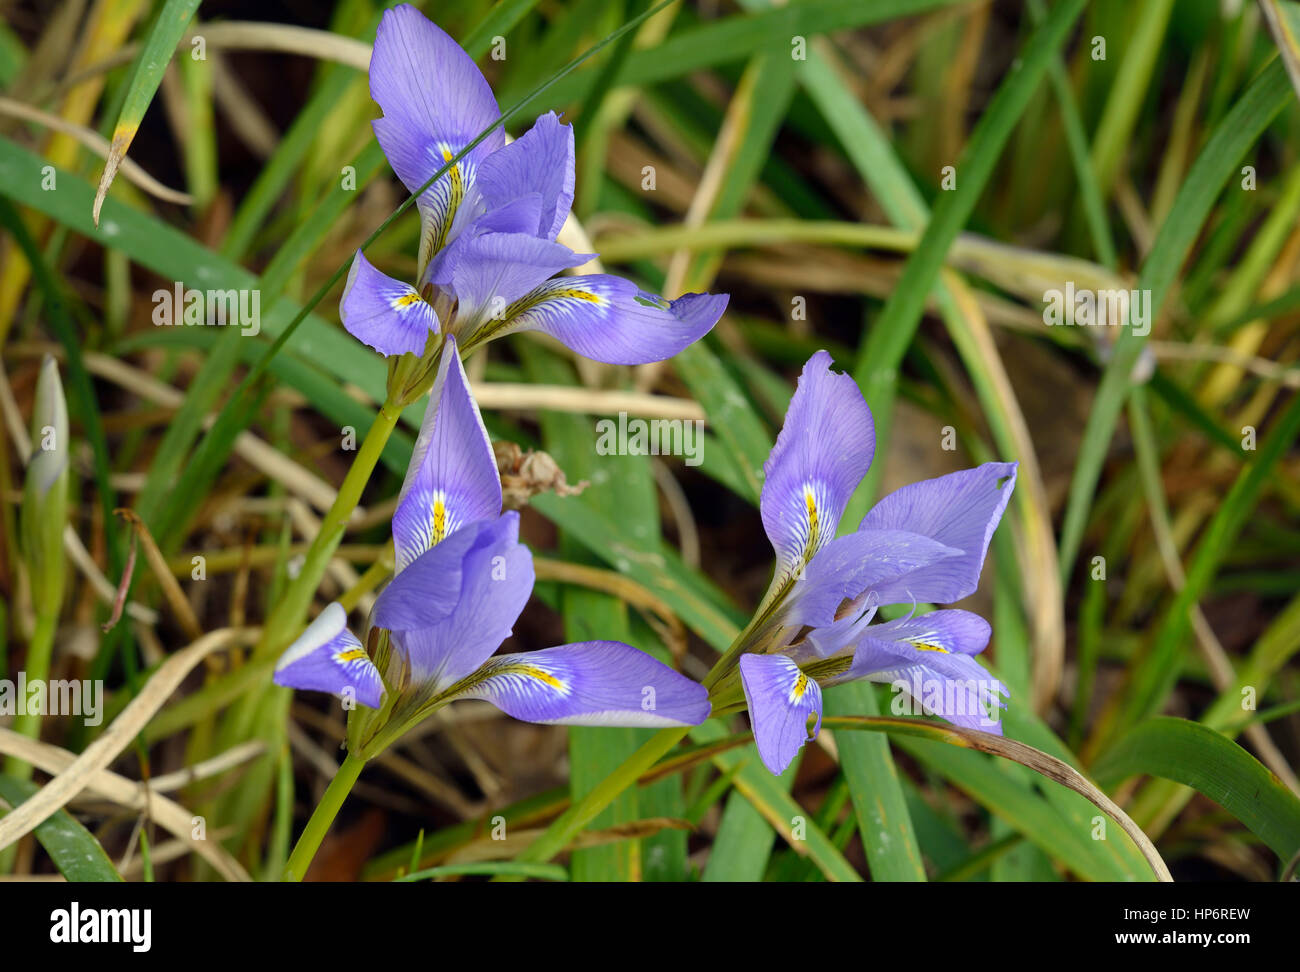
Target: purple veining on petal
[327,657]
[496,582]
[960,510]
[930,657]
[590,683]
[452,479]
[823,451]
[780,698]
[610,319]
[435,102]
[384,313]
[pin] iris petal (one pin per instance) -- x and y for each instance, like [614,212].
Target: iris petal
[931,658]
[607,318]
[824,449]
[539,162]
[496,581]
[385,313]
[491,272]
[327,657]
[780,699]
[590,683]
[435,102]
[860,563]
[960,510]
[452,479]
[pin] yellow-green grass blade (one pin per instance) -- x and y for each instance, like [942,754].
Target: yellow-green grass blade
[1267,95]
[891,335]
[1283,17]
[733,39]
[1156,673]
[146,74]
[769,796]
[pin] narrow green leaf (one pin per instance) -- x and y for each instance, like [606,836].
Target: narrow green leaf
[891,335]
[1267,95]
[884,823]
[1216,767]
[771,798]
[146,74]
[74,850]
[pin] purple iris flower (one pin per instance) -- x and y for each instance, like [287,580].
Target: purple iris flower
[488,225]
[923,544]
[462,580]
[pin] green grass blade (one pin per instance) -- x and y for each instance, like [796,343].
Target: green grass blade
[771,798]
[1216,767]
[540,872]
[622,486]
[878,363]
[1267,95]
[733,39]
[74,850]
[1156,674]
[884,823]
[146,74]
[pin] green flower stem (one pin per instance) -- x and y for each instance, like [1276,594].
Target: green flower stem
[29,724]
[37,667]
[322,817]
[292,607]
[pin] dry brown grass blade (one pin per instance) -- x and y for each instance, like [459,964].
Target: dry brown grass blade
[214,766]
[516,841]
[244,35]
[1044,594]
[98,755]
[96,143]
[1018,752]
[171,588]
[258,453]
[565,398]
[165,812]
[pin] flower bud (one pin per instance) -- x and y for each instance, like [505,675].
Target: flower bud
[45,492]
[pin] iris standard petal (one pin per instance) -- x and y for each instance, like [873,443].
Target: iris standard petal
[591,683]
[610,319]
[385,313]
[496,581]
[780,699]
[824,449]
[960,510]
[452,479]
[856,564]
[327,657]
[492,274]
[517,216]
[435,102]
[539,162]
[930,658]
[428,588]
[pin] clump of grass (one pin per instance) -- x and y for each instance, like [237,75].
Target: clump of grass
[907,185]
